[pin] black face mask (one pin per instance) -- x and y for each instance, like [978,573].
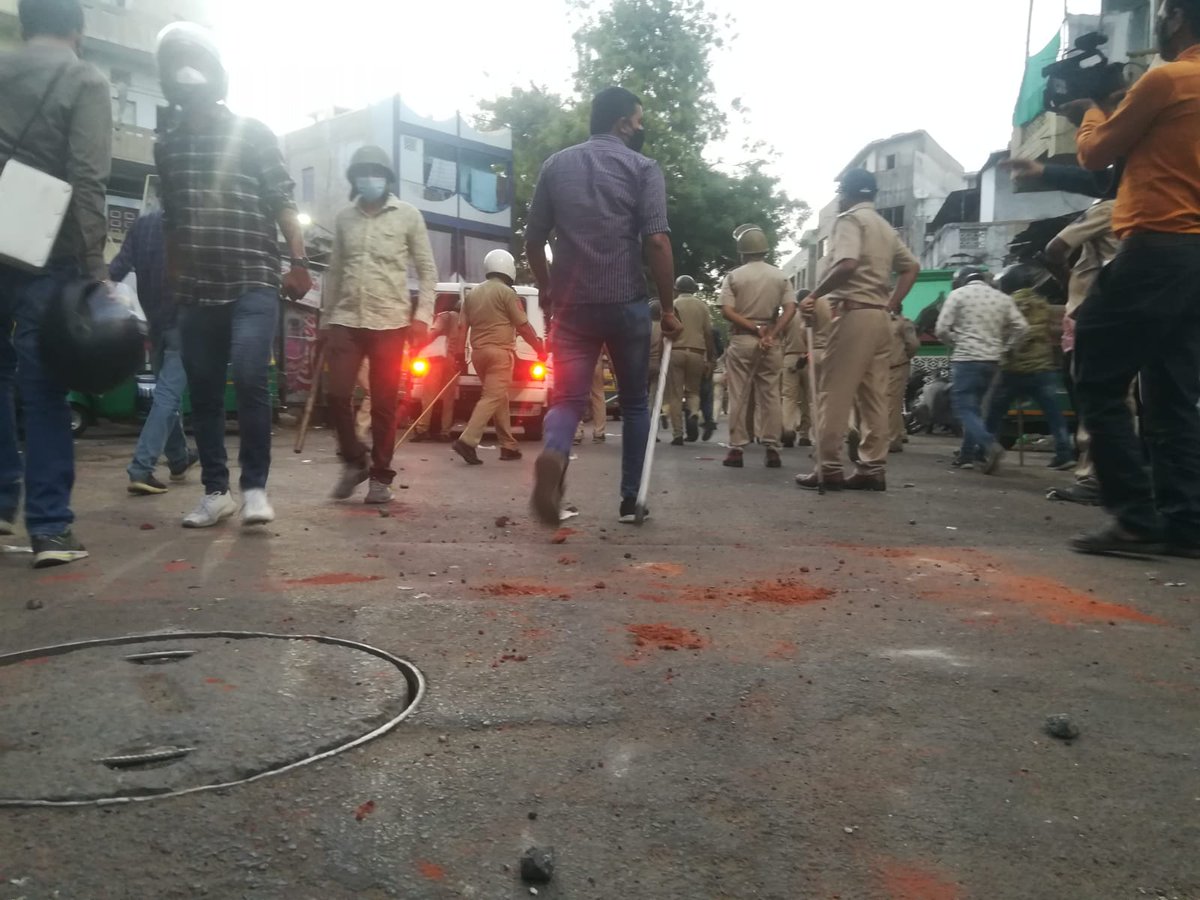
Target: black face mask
[637,140]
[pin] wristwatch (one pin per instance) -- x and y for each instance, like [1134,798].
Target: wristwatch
[302,261]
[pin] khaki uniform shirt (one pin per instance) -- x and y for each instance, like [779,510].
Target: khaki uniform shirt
[861,233]
[1093,235]
[905,342]
[71,139]
[366,285]
[450,324]
[796,337]
[493,312]
[756,290]
[693,314]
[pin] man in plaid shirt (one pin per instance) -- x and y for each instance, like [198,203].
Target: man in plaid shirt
[226,194]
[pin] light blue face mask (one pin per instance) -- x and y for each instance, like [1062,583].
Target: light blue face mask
[371,187]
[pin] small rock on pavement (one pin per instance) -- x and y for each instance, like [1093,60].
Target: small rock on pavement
[1061,727]
[502,522]
[34,603]
[537,865]
[146,526]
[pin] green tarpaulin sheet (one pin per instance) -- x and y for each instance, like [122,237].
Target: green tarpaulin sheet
[1033,86]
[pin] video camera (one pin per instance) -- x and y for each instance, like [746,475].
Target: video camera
[1085,73]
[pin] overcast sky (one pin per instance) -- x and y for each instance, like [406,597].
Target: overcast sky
[821,78]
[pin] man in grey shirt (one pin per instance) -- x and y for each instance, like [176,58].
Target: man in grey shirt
[606,205]
[56,116]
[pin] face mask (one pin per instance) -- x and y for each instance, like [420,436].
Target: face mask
[637,140]
[371,188]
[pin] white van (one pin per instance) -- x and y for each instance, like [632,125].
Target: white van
[529,396]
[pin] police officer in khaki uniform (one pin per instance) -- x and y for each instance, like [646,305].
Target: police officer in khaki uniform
[797,417]
[751,299]
[494,315]
[865,253]
[905,345]
[693,348]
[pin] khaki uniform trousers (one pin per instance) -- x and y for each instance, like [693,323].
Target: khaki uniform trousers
[897,384]
[494,365]
[854,370]
[683,379]
[752,371]
[441,371]
[797,414]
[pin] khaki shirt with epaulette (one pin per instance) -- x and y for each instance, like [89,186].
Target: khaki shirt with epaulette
[692,313]
[861,233]
[757,290]
[493,313]
[905,343]
[796,339]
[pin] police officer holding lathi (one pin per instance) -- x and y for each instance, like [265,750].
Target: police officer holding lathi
[751,300]
[865,252]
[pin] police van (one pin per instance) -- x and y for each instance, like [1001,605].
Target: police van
[529,395]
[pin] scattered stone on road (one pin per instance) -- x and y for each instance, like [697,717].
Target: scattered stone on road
[537,865]
[1061,727]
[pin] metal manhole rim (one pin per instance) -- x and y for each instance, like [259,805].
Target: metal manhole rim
[412,676]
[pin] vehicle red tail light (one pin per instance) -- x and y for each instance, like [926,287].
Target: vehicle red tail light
[537,372]
[420,367]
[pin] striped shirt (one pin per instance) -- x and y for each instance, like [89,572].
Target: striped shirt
[223,187]
[600,199]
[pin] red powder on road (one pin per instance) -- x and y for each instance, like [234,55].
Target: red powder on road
[665,569]
[526,589]
[666,637]
[65,578]
[784,592]
[560,536]
[905,882]
[432,871]
[783,650]
[334,578]
[364,810]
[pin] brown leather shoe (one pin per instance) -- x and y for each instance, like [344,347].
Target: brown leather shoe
[734,459]
[507,455]
[861,482]
[812,482]
[773,460]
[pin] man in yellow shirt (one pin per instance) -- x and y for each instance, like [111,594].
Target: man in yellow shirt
[366,311]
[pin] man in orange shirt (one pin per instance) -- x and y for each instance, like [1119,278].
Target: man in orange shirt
[1144,315]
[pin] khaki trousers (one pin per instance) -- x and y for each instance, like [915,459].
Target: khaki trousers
[440,372]
[750,370]
[494,365]
[854,370]
[683,379]
[897,383]
[797,416]
[599,410]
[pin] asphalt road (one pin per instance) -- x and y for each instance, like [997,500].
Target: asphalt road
[761,693]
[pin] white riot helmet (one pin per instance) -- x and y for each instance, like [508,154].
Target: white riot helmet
[501,262]
[189,65]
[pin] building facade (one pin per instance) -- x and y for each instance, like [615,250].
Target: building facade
[459,178]
[120,40]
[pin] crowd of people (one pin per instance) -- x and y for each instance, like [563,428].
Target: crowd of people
[809,368]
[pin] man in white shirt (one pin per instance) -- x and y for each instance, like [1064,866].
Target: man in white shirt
[981,324]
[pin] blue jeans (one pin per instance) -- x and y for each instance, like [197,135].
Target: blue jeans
[969,384]
[49,467]
[163,429]
[579,334]
[241,333]
[1042,387]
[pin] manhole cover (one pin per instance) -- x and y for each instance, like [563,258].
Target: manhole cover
[147,716]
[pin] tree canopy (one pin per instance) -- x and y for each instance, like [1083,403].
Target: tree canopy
[661,50]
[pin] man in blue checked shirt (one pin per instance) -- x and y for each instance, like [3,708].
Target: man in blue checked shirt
[144,254]
[606,206]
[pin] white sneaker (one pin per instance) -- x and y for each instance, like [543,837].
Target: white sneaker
[212,509]
[378,492]
[256,508]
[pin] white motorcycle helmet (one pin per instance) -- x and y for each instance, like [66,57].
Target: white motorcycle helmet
[501,262]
